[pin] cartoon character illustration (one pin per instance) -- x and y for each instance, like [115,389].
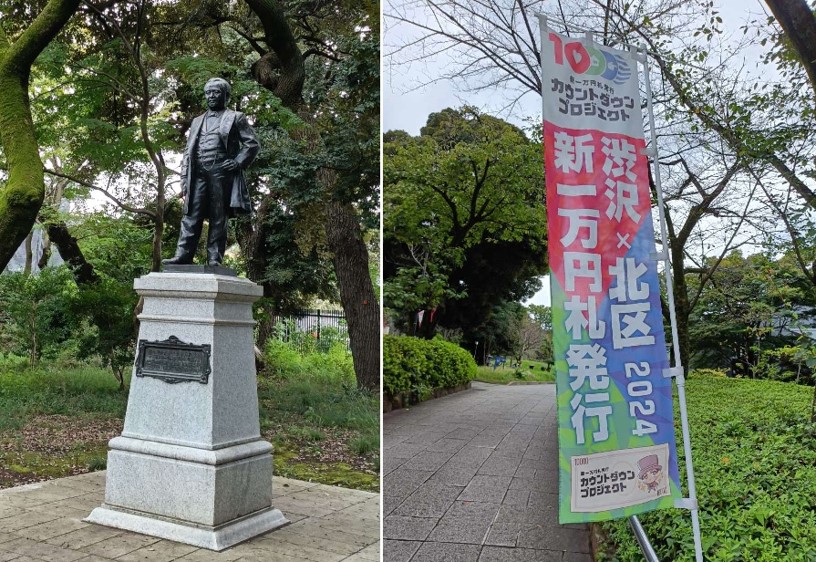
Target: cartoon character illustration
[651,475]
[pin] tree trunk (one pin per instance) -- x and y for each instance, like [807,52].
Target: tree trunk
[350,258]
[799,24]
[71,253]
[282,72]
[29,255]
[24,191]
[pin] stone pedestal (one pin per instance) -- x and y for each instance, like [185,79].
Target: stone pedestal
[190,465]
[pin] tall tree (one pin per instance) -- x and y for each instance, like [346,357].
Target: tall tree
[464,220]
[22,195]
[282,70]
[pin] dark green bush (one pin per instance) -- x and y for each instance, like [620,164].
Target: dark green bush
[412,363]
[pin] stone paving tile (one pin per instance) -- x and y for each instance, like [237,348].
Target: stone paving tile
[267,545]
[426,438]
[403,482]
[51,529]
[488,489]
[203,555]
[431,499]
[119,545]
[501,554]
[465,522]
[162,551]
[543,508]
[8,511]
[60,510]
[290,505]
[554,538]
[471,456]
[428,461]
[486,440]
[577,557]
[518,498]
[85,536]
[85,502]
[446,445]
[404,451]
[371,552]
[390,463]
[506,470]
[362,527]
[311,528]
[446,552]
[407,528]
[25,519]
[399,551]
[390,503]
[41,550]
[295,540]
[497,465]
[455,475]
[347,529]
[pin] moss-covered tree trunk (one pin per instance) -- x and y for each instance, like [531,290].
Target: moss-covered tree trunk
[24,190]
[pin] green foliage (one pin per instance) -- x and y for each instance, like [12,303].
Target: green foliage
[530,371]
[35,311]
[751,305]
[464,224]
[755,466]
[78,392]
[311,399]
[106,325]
[304,355]
[411,364]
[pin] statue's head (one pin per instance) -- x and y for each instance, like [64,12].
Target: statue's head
[217,92]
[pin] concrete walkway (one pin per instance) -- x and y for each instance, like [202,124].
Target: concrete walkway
[473,476]
[44,522]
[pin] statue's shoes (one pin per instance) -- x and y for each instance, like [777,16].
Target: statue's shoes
[214,263]
[177,260]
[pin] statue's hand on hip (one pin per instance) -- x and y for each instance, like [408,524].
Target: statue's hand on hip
[230,165]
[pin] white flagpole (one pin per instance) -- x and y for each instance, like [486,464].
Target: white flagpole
[678,370]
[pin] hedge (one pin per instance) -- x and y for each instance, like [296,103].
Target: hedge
[413,363]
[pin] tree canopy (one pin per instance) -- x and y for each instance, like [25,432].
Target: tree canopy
[114,94]
[464,220]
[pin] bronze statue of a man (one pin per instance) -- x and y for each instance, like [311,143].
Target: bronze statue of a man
[220,146]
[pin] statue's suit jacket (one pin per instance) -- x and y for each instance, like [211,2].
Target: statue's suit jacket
[242,146]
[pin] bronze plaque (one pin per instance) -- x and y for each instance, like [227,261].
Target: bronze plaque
[173,361]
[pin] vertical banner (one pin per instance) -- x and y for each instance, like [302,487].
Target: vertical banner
[615,421]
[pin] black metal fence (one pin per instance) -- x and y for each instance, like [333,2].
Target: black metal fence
[313,329]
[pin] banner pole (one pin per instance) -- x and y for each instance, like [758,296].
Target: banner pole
[678,370]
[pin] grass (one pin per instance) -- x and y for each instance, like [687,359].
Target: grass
[57,422]
[755,464]
[322,430]
[530,371]
[77,392]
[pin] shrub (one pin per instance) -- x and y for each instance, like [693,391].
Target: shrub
[755,463]
[411,363]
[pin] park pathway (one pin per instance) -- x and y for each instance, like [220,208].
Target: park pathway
[473,476]
[43,522]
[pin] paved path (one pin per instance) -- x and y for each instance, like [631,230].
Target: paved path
[44,522]
[473,476]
